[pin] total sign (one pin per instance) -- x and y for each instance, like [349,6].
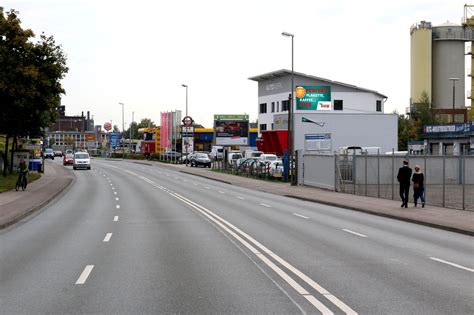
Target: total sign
[313,98]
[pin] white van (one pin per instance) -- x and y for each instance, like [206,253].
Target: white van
[217,152]
[233,157]
[252,153]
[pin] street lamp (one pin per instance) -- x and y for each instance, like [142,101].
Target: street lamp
[123,126]
[290,112]
[187,138]
[130,138]
[185,86]
[454,93]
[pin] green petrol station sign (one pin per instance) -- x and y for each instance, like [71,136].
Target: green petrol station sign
[313,98]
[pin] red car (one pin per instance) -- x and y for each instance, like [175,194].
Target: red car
[68,159]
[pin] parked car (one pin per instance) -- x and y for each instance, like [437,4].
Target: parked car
[217,152]
[197,159]
[171,155]
[248,164]
[68,159]
[275,168]
[263,158]
[49,154]
[81,160]
[232,157]
[58,153]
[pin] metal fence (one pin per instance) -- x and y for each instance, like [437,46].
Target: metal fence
[449,180]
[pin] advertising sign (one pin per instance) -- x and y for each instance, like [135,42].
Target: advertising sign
[114,138]
[313,98]
[453,128]
[231,129]
[318,142]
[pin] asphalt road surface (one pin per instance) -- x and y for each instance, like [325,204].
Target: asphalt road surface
[131,239]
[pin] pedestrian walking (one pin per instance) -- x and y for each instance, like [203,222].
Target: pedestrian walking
[404,176]
[418,186]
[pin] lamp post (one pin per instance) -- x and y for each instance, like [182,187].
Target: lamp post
[123,127]
[185,86]
[290,111]
[130,138]
[187,138]
[454,93]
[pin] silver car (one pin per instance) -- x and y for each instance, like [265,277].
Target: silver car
[81,160]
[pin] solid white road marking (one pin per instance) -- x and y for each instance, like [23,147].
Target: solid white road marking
[301,216]
[116,218]
[117,206]
[355,233]
[107,237]
[452,264]
[265,205]
[85,274]
[241,198]
[237,233]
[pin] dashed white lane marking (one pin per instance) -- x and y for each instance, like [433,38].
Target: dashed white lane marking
[207,187]
[111,184]
[113,188]
[355,233]
[108,236]
[115,192]
[301,216]
[195,184]
[116,198]
[221,192]
[265,205]
[85,274]
[117,206]
[452,264]
[116,218]
[241,198]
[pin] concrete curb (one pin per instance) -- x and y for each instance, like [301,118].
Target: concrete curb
[41,205]
[334,204]
[386,215]
[211,178]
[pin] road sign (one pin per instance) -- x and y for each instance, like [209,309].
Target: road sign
[187,121]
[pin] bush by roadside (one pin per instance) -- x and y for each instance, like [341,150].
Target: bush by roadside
[8,183]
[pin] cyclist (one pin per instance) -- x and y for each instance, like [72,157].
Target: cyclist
[23,169]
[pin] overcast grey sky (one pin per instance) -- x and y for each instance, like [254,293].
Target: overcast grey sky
[140,52]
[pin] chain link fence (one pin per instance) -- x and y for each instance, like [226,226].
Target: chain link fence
[449,180]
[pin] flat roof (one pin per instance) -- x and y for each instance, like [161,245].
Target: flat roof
[285,72]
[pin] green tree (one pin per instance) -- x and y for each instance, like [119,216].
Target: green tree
[135,133]
[146,123]
[30,76]
[422,115]
[405,131]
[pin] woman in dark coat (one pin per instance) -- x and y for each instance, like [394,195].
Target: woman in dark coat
[418,180]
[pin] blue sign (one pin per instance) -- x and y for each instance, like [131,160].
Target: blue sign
[452,128]
[114,139]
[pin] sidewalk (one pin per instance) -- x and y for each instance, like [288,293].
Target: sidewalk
[447,219]
[16,205]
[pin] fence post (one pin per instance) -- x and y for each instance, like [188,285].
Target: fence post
[425,172]
[366,156]
[463,182]
[335,172]
[444,179]
[354,171]
[393,172]
[378,173]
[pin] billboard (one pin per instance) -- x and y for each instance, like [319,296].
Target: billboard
[313,98]
[317,142]
[114,138]
[231,129]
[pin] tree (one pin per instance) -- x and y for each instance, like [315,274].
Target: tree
[405,131]
[422,115]
[135,133]
[146,123]
[30,76]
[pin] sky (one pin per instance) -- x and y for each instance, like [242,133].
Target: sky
[140,52]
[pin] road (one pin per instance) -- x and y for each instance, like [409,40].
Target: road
[128,238]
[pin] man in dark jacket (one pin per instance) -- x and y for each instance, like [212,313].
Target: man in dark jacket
[404,176]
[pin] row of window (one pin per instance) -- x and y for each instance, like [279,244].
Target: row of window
[275,106]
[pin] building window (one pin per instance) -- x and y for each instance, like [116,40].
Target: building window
[378,106]
[338,105]
[272,126]
[273,107]
[278,106]
[263,108]
[284,106]
[263,127]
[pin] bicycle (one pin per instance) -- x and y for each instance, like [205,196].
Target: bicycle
[22,181]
